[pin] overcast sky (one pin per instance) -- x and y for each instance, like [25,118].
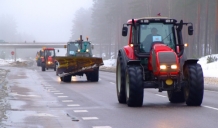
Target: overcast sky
[45,20]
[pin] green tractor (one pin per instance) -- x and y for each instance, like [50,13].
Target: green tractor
[78,61]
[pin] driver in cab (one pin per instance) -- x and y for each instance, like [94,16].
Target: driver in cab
[147,43]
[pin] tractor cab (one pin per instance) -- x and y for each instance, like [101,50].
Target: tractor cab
[145,32]
[79,48]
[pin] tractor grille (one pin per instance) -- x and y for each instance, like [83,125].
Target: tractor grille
[167,57]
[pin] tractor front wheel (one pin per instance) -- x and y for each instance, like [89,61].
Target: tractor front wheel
[88,76]
[66,79]
[54,68]
[43,66]
[194,90]
[134,86]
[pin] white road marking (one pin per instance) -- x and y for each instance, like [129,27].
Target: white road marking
[101,127]
[58,93]
[160,95]
[211,91]
[62,96]
[73,105]
[16,94]
[45,84]
[49,87]
[52,91]
[211,107]
[112,83]
[67,100]
[80,110]
[89,118]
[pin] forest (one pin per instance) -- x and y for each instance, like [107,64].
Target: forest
[103,23]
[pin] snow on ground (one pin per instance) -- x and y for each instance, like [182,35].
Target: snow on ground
[8,61]
[210,69]
[110,63]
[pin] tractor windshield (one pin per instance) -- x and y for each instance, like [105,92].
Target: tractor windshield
[155,32]
[73,48]
[86,47]
[50,53]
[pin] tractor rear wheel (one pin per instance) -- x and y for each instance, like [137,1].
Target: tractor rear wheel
[120,80]
[194,90]
[176,97]
[134,86]
[66,78]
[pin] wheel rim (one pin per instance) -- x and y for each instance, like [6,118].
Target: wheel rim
[118,78]
[127,86]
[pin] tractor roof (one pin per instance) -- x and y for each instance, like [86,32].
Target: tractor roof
[151,19]
[49,49]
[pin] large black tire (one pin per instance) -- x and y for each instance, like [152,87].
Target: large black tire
[43,66]
[56,73]
[66,79]
[134,86]
[62,78]
[88,76]
[120,79]
[176,97]
[194,90]
[55,68]
[94,76]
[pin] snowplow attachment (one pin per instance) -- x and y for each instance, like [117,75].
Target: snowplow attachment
[72,65]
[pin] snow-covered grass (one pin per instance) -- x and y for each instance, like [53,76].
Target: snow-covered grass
[209,69]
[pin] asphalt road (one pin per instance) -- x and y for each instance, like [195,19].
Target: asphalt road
[39,100]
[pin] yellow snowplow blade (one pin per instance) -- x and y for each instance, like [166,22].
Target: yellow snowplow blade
[77,64]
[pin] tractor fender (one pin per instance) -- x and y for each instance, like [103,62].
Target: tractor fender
[127,59]
[129,52]
[190,61]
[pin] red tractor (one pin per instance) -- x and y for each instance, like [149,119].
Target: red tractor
[155,58]
[48,59]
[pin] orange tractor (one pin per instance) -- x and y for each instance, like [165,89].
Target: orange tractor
[48,60]
[155,58]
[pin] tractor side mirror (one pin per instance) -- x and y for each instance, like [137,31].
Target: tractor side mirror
[190,30]
[124,31]
[92,46]
[58,50]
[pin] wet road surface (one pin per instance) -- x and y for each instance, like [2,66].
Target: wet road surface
[39,100]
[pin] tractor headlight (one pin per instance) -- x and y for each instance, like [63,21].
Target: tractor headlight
[173,66]
[49,62]
[78,50]
[131,45]
[163,67]
[87,50]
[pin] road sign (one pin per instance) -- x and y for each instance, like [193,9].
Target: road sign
[12,52]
